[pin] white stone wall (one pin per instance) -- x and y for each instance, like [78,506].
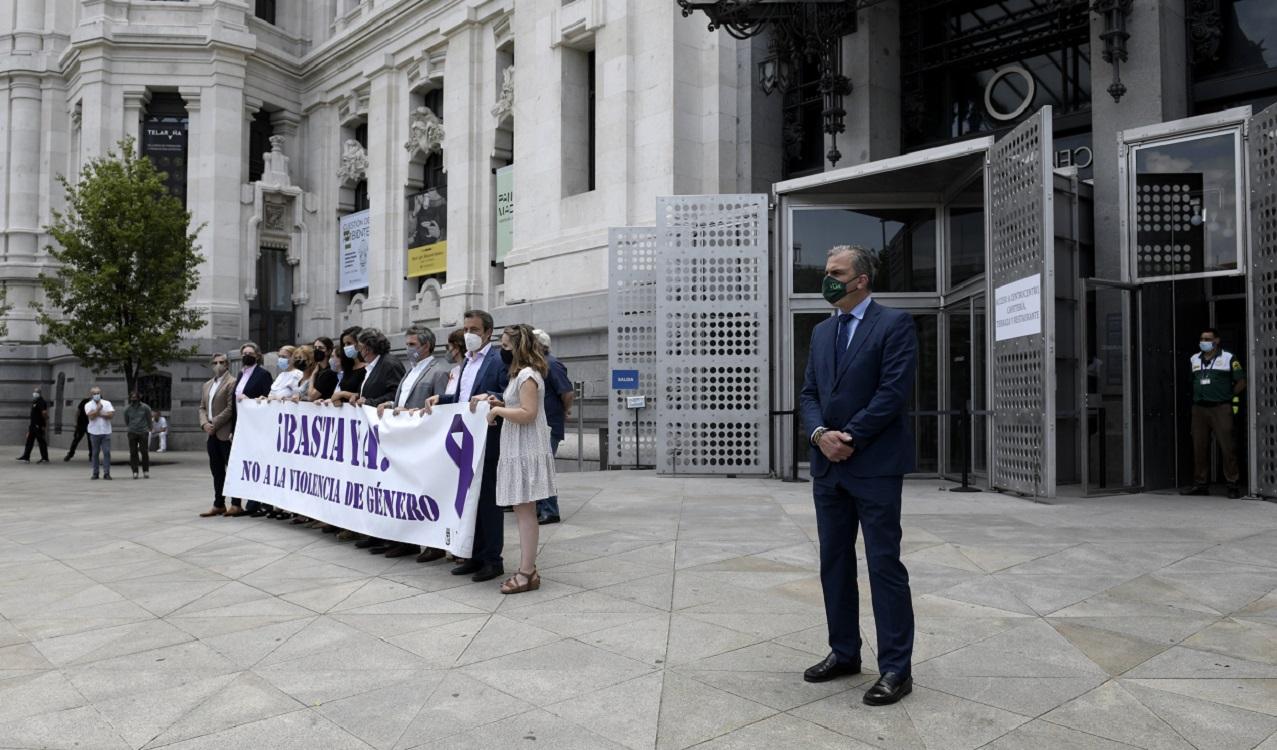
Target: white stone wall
[673,113]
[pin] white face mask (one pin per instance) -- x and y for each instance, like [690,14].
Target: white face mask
[35,394]
[473,342]
[282,363]
[335,364]
[97,397]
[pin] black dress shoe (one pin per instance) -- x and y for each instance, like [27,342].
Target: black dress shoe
[380,548]
[430,554]
[544,520]
[256,513]
[889,688]
[367,542]
[401,550]
[830,669]
[487,573]
[468,567]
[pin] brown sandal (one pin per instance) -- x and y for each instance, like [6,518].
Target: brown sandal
[512,585]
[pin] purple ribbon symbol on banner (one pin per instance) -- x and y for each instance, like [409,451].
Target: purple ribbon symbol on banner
[463,456]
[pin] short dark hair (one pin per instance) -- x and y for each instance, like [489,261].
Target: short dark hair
[482,315]
[1211,331]
[424,335]
[458,339]
[374,339]
[347,363]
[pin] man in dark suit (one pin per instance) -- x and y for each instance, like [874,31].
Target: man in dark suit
[253,382]
[381,380]
[859,376]
[483,373]
[81,427]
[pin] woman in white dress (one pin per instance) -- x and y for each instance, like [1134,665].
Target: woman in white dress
[525,472]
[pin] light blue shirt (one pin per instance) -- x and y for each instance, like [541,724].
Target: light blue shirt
[857,315]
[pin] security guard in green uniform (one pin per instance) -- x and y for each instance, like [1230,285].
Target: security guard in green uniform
[1218,380]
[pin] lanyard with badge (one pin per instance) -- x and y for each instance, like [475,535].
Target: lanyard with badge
[1203,378]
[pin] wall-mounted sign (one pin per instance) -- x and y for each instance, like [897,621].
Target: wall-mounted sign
[505,212]
[625,380]
[427,214]
[1018,308]
[352,270]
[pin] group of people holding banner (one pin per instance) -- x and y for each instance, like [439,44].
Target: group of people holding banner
[524,389]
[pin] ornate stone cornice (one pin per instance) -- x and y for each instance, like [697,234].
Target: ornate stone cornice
[425,133]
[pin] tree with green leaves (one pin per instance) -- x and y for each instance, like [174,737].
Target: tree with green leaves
[127,267]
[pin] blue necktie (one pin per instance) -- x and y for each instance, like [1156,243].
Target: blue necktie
[844,327]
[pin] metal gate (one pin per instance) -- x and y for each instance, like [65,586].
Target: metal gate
[712,334]
[1261,388]
[1021,270]
[632,341]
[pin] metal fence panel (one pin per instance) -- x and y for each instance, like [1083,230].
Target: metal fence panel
[632,341]
[1021,244]
[712,334]
[1261,388]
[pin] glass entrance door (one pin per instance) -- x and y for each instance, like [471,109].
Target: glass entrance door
[964,387]
[1110,384]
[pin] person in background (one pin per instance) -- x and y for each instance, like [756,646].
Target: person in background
[323,382]
[37,428]
[99,411]
[253,383]
[159,430]
[1218,381]
[351,377]
[304,360]
[525,470]
[381,380]
[559,396]
[456,353]
[81,427]
[426,377]
[137,423]
[217,417]
[289,378]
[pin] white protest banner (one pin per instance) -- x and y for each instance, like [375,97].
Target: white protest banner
[1018,308]
[352,269]
[412,479]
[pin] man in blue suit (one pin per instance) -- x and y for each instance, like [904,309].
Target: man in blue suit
[853,403]
[253,382]
[483,373]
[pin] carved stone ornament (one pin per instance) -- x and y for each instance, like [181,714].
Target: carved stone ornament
[276,163]
[274,216]
[425,133]
[1205,29]
[354,162]
[505,100]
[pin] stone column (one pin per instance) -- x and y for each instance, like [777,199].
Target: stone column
[25,148]
[387,119]
[467,121]
[135,101]
[317,172]
[871,59]
[1155,92]
[28,33]
[213,196]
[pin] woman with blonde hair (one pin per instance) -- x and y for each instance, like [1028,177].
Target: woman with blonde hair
[525,472]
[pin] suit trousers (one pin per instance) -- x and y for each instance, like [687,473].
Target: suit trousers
[219,454]
[1216,419]
[873,504]
[489,525]
[75,440]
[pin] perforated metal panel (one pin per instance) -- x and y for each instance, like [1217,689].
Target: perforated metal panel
[1261,388]
[1021,241]
[632,341]
[711,312]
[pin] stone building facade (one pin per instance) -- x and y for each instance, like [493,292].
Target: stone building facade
[275,118]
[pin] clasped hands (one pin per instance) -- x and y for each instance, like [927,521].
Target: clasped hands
[836,446]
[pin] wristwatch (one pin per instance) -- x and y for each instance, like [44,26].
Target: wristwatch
[815,436]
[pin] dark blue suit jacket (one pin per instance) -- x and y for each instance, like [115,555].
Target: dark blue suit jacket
[493,377]
[866,395]
[258,385]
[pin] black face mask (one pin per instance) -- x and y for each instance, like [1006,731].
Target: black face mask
[507,356]
[321,355]
[249,360]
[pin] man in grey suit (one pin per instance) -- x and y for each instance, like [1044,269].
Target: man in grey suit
[426,377]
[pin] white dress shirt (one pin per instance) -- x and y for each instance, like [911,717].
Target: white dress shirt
[474,363]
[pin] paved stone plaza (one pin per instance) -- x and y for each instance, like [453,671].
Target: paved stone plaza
[674,613]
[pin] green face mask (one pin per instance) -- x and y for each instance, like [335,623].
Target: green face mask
[833,290]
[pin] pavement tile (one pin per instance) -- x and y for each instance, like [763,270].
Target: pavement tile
[1111,711]
[692,712]
[555,672]
[72,729]
[1205,724]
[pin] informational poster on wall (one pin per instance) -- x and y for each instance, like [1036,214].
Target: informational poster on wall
[164,141]
[427,234]
[1018,308]
[353,268]
[505,212]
